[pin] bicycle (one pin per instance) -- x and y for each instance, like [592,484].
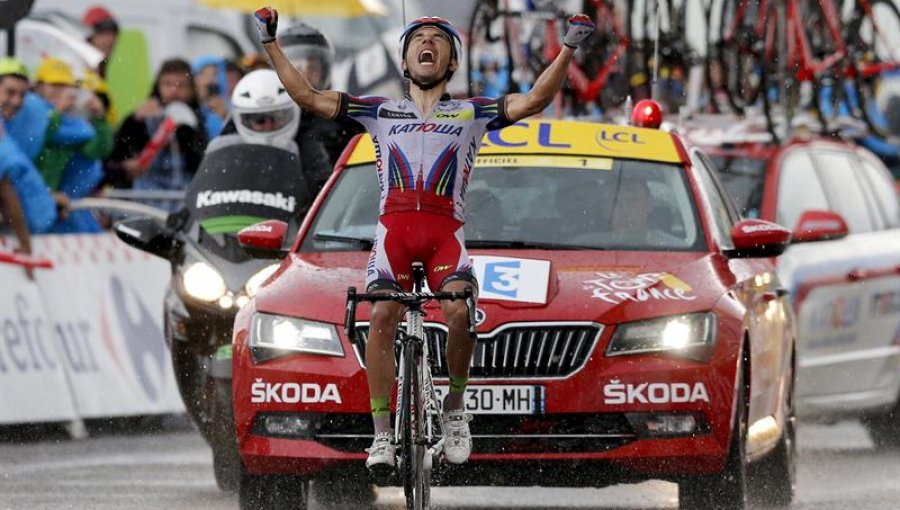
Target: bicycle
[522,43]
[418,428]
[775,50]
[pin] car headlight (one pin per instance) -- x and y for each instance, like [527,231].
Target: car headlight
[272,336]
[255,282]
[691,335]
[203,282]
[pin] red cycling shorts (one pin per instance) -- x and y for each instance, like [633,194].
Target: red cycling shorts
[401,238]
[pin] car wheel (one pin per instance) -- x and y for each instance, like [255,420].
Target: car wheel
[272,492]
[344,490]
[884,428]
[773,477]
[194,386]
[727,489]
[226,459]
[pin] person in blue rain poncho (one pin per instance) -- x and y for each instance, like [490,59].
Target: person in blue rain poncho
[15,165]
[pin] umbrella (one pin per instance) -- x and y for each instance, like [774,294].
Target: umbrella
[344,8]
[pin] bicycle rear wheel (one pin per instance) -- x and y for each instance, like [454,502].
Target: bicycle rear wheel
[874,41]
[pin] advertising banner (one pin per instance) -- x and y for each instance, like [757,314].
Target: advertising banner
[97,333]
[33,385]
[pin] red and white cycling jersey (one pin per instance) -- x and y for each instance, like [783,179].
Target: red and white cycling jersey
[424,161]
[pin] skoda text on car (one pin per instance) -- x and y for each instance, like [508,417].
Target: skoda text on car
[842,270]
[630,326]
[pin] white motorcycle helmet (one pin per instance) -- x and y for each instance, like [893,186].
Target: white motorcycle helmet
[263,111]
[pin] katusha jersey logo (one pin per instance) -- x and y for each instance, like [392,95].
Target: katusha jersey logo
[246,196]
[617,392]
[426,127]
[618,287]
[292,393]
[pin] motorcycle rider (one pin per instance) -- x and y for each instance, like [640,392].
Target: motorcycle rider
[263,113]
[312,53]
[426,144]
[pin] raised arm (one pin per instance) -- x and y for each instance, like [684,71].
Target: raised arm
[520,106]
[12,210]
[322,103]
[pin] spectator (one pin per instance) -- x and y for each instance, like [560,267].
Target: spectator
[233,74]
[37,205]
[27,116]
[68,134]
[212,82]
[84,171]
[36,202]
[173,167]
[104,32]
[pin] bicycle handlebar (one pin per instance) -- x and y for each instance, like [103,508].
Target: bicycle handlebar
[406,298]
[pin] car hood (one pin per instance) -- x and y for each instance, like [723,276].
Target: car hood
[601,286]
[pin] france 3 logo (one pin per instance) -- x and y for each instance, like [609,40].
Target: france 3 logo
[512,279]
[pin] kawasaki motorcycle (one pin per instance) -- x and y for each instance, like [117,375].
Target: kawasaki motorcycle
[213,277]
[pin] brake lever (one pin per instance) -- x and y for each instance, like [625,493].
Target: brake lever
[350,314]
[470,305]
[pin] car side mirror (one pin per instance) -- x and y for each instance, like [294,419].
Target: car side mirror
[758,238]
[816,225]
[264,240]
[149,235]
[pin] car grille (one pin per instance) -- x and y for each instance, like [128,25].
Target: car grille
[514,350]
[548,433]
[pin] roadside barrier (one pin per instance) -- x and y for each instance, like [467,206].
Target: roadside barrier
[83,339]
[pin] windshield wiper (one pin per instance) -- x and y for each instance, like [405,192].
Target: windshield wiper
[364,243]
[526,245]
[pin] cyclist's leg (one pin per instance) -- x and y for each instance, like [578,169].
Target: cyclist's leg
[386,257]
[449,270]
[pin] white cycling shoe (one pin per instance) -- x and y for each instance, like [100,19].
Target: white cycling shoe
[457,437]
[382,458]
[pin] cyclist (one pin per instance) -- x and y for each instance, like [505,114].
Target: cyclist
[425,146]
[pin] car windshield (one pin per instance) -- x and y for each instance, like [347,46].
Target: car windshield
[536,203]
[743,179]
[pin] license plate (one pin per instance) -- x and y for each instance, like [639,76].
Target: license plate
[500,399]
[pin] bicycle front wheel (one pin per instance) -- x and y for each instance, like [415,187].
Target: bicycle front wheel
[416,482]
[735,56]
[874,39]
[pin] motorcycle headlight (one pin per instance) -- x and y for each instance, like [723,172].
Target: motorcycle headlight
[255,282]
[203,282]
[691,335]
[273,336]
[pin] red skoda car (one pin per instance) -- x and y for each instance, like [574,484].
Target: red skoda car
[631,327]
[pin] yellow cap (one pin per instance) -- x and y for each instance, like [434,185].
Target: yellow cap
[93,82]
[14,67]
[54,71]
